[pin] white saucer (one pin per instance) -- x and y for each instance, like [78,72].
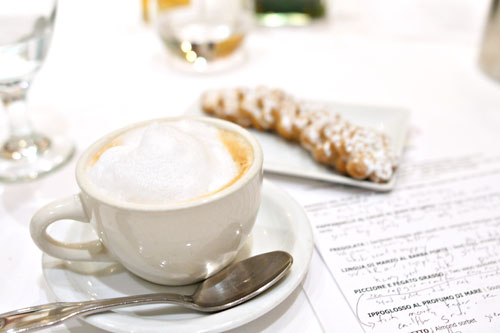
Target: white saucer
[288,158]
[281,225]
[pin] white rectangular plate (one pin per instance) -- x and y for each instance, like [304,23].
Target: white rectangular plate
[289,158]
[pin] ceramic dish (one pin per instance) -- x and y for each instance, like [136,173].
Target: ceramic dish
[281,225]
[288,158]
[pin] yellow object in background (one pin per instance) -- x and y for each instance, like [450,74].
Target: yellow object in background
[228,46]
[145,11]
[162,5]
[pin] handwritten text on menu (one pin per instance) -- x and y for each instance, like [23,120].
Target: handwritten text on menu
[424,258]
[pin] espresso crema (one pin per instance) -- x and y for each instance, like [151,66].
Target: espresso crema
[170,162]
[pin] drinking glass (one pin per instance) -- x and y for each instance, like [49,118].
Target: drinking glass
[26,28]
[489,56]
[203,35]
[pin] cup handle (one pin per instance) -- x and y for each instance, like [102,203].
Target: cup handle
[67,208]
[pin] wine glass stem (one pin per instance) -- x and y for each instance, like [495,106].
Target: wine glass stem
[15,105]
[23,142]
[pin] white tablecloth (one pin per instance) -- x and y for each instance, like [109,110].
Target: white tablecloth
[106,69]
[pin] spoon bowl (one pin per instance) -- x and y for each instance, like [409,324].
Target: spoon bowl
[242,281]
[231,286]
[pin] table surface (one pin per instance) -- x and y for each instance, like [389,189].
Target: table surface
[106,69]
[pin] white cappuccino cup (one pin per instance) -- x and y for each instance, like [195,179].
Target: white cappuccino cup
[175,242]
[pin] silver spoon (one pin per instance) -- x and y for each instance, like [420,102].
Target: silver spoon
[232,286]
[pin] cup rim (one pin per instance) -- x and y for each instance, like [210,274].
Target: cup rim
[87,187]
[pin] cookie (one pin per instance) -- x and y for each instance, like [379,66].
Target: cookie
[359,152]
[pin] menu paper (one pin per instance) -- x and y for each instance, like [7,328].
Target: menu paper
[423,258]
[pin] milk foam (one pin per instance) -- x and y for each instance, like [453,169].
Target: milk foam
[165,162]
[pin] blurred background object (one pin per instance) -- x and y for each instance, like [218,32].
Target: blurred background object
[275,13]
[26,28]
[489,57]
[145,10]
[203,35]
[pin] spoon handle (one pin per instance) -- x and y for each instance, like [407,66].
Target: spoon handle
[43,316]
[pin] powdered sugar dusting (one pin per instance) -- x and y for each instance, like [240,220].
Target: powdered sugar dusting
[360,152]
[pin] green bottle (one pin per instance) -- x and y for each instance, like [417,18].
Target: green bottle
[288,12]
